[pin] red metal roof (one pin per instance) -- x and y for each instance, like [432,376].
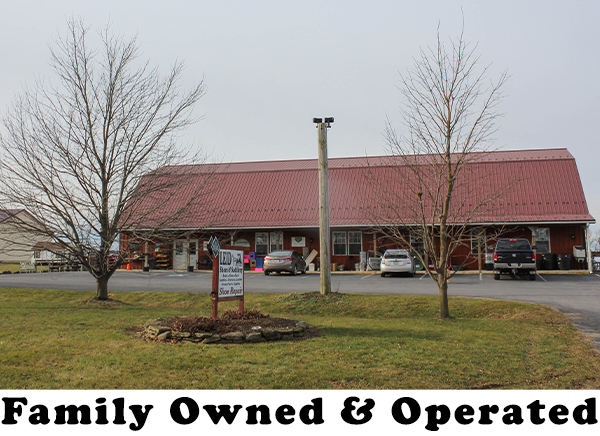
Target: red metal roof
[547,188]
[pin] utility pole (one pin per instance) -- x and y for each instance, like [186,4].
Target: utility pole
[324,205]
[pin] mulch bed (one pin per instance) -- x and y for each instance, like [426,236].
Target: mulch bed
[229,321]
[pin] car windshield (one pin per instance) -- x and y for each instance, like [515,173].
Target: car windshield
[280,254]
[513,245]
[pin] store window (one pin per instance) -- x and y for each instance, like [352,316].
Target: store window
[276,241]
[241,243]
[542,239]
[416,242]
[262,244]
[354,243]
[339,243]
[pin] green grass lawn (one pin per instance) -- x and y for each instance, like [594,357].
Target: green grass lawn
[65,340]
[12,267]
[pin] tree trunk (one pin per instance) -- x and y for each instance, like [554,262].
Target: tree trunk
[443,291]
[102,288]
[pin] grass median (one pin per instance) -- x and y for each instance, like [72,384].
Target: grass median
[66,340]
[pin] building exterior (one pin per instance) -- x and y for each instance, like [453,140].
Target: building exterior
[265,206]
[17,238]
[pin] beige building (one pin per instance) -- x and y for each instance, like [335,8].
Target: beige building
[17,235]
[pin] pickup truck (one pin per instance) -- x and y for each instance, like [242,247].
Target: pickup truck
[514,256]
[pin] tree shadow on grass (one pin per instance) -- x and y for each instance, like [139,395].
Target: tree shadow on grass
[109,303]
[384,334]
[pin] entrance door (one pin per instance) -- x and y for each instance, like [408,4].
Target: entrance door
[180,253]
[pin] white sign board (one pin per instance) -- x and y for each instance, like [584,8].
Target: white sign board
[298,241]
[231,273]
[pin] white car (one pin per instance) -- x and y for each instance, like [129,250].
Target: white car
[397,261]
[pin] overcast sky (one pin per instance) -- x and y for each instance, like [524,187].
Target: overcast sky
[271,66]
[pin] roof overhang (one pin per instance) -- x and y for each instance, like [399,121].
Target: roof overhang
[350,226]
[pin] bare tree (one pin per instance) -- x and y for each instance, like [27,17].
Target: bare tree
[450,112]
[83,155]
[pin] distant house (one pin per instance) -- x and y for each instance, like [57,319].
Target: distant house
[17,237]
[264,206]
[54,256]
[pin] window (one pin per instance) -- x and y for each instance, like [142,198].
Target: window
[339,243]
[178,248]
[354,243]
[262,244]
[513,244]
[416,242]
[542,239]
[276,241]
[475,234]
[242,243]
[192,248]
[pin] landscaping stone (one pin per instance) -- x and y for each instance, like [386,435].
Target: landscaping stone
[255,337]
[234,336]
[164,336]
[212,339]
[154,329]
[157,330]
[270,334]
[285,331]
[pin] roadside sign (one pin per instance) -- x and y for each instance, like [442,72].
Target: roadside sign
[231,275]
[228,277]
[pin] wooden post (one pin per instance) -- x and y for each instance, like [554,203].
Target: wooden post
[215,287]
[146,267]
[187,260]
[479,256]
[324,232]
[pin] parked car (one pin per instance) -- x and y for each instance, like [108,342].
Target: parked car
[285,260]
[514,256]
[398,261]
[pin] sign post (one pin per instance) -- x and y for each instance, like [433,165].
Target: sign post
[228,276]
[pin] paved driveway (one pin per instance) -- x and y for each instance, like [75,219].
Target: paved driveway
[576,295]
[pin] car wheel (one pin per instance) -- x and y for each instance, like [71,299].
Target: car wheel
[382,274]
[304,270]
[496,276]
[266,273]
[294,270]
[531,276]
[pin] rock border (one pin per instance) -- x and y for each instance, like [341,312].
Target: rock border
[154,330]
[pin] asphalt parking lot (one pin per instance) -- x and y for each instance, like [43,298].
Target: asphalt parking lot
[577,295]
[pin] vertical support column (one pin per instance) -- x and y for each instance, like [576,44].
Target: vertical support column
[324,232]
[588,249]
[215,288]
[479,256]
